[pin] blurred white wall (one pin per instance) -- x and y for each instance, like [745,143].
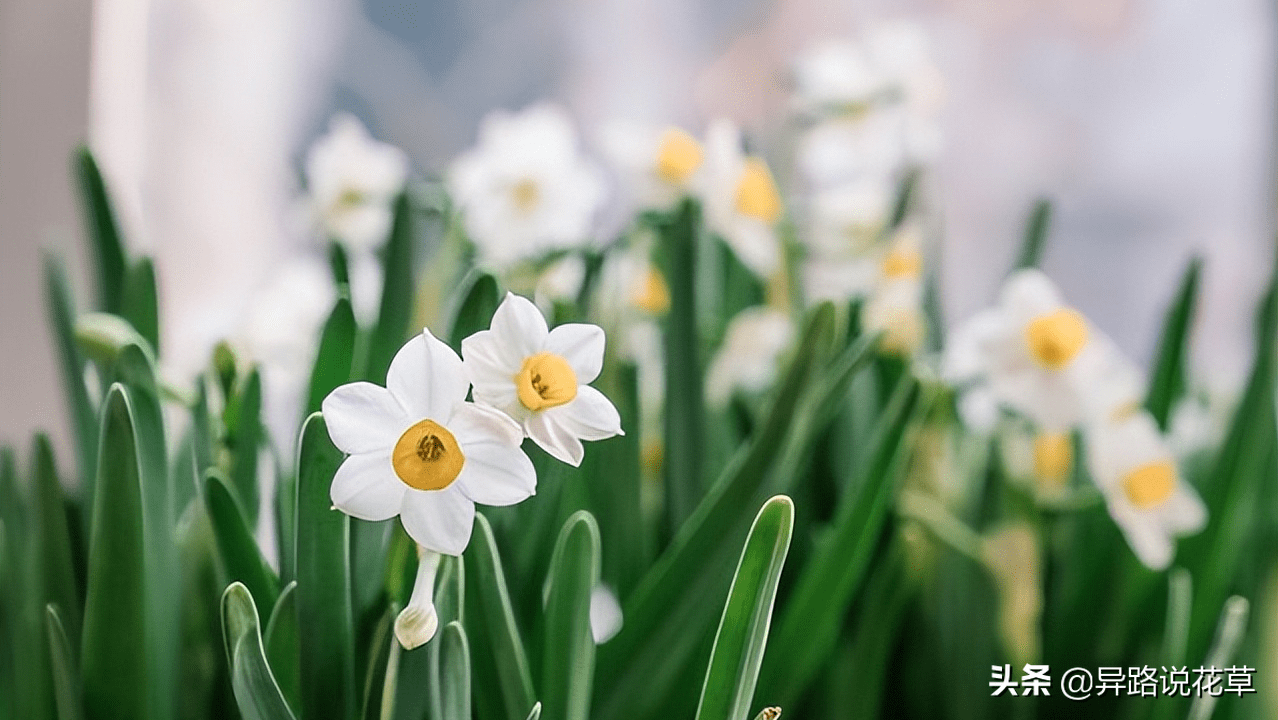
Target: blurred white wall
[44,77]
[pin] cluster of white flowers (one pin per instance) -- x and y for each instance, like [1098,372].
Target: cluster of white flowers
[871,104]
[1042,360]
[419,450]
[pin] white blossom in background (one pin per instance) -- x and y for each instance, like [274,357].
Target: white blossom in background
[353,181]
[1136,470]
[561,281]
[525,189]
[749,358]
[655,167]
[742,203]
[605,614]
[834,77]
[1033,353]
[280,334]
[895,306]
[541,378]
[418,450]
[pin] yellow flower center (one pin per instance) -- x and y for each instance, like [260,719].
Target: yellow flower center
[350,197]
[902,264]
[757,195]
[427,457]
[526,195]
[1053,457]
[545,380]
[678,156]
[1055,338]
[1149,485]
[650,293]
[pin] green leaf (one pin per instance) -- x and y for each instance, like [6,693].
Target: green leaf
[241,558]
[397,294]
[102,336]
[114,656]
[135,369]
[339,263]
[450,599]
[568,659]
[454,676]
[336,353]
[503,680]
[66,684]
[475,311]
[245,439]
[906,191]
[282,645]
[668,624]
[808,627]
[84,422]
[535,713]
[375,704]
[684,421]
[728,692]
[324,620]
[110,260]
[1167,382]
[1229,635]
[60,587]
[627,542]
[139,303]
[256,691]
[1035,239]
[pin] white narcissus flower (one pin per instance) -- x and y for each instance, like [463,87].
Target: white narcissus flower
[353,180]
[418,450]
[750,355]
[742,203]
[1136,471]
[1035,354]
[656,166]
[540,377]
[416,624]
[525,189]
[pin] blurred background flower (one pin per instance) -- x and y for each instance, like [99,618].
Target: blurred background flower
[1149,124]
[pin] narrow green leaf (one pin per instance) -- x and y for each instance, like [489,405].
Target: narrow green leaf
[66,684]
[450,599]
[241,558]
[256,691]
[397,294]
[475,311]
[339,263]
[246,437]
[535,713]
[324,620]
[115,641]
[84,423]
[808,627]
[140,304]
[1167,382]
[504,687]
[668,624]
[336,353]
[684,421]
[1035,239]
[568,659]
[379,663]
[1229,635]
[282,644]
[454,676]
[135,368]
[110,261]
[56,564]
[728,692]
[905,193]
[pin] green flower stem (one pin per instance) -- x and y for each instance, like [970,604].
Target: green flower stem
[932,515]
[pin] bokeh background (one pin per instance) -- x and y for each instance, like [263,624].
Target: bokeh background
[1150,123]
